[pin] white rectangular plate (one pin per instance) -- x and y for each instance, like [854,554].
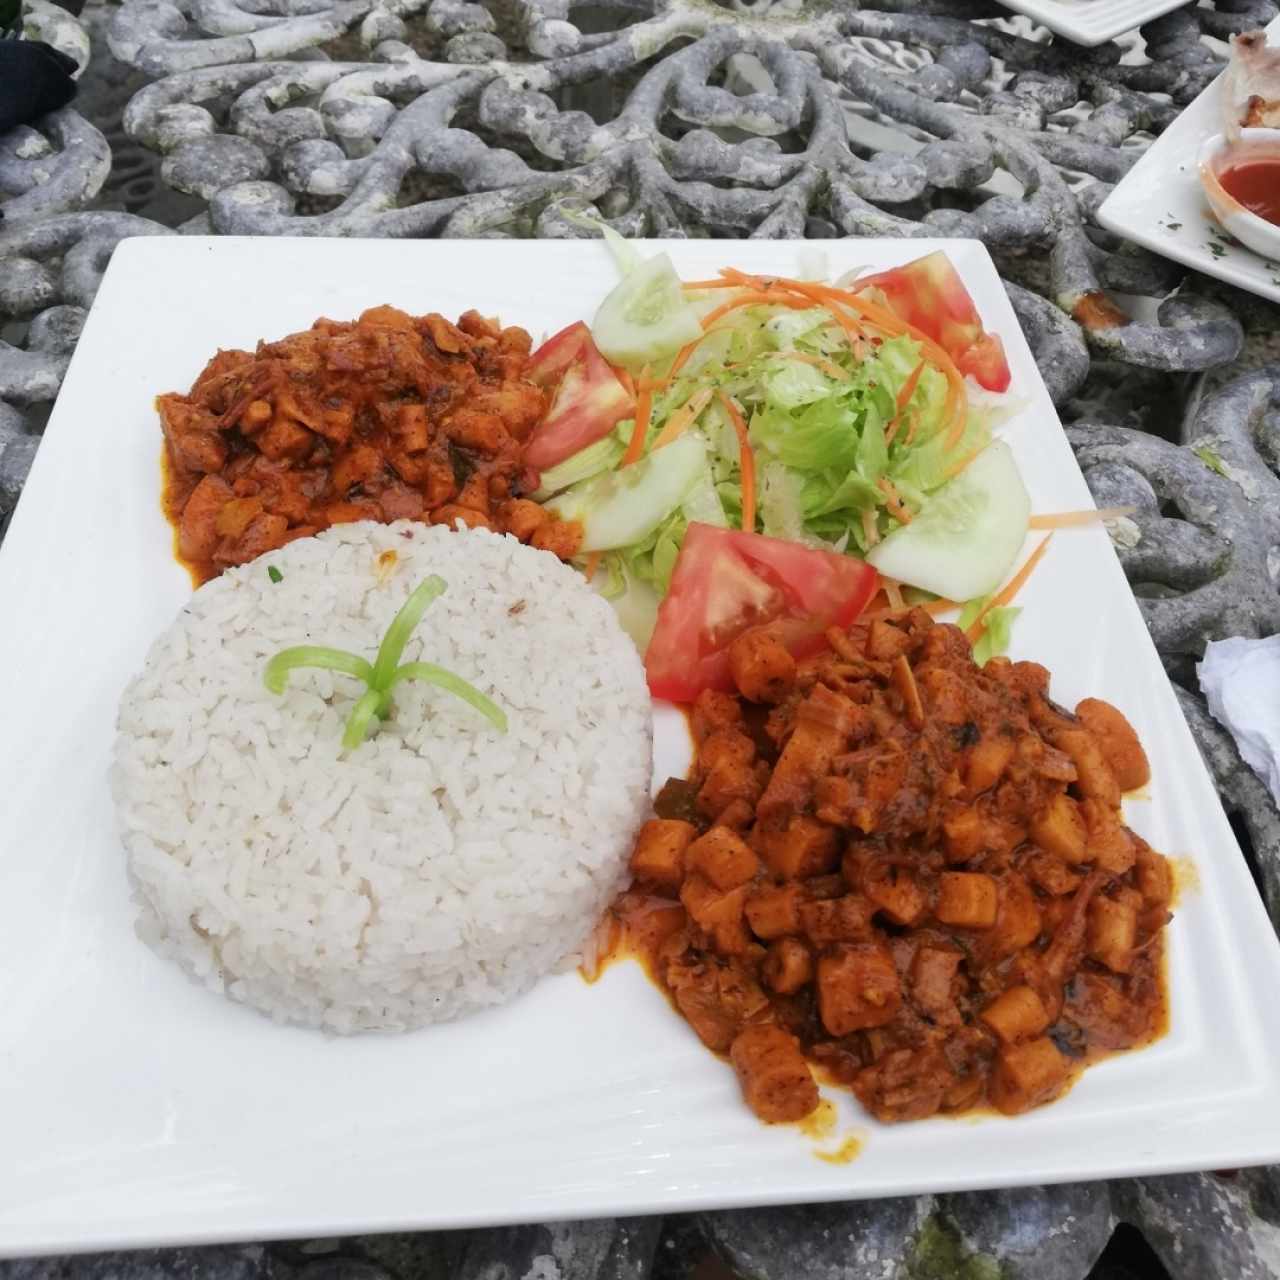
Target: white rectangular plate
[1091,22]
[140,1109]
[1160,204]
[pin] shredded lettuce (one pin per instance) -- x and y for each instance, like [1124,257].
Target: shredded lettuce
[784,329]
[615,576]
[781,502]
[653,559]
[788,384]
[930,466]
[997,628]
[603,455]
[818,411]
[702,502]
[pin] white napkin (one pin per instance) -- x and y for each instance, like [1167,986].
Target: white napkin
[1241,682]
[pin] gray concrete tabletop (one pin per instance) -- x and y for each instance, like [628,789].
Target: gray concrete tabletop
[760,118]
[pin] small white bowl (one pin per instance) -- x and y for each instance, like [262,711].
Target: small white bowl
[1218,154]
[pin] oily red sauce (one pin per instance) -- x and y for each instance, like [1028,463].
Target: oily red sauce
[620,936]
[799,898]
[1256,184]
[389,417]
[174,492]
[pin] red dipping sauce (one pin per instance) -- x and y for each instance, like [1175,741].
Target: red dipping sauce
[1256,184]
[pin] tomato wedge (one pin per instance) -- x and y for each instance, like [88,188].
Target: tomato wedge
[726,581]
[985,363]
[929,294]
[548,364]
[587,403]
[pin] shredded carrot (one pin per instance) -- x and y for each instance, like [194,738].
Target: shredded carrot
[679,362]
[593,563]
[913,428]
[893,501]
[1015,584]
[956,434]
[884,319]
[682,356]
[746,463]
[955,408]
[823,296]
[904,399]
[881,317]
[707,284]
[893,593]
[682,418]
[959,465]
[1067,519]
[734,276]
[869,530]
[904,681]
[644,409]
[909,387]
[755,298]
[816,295]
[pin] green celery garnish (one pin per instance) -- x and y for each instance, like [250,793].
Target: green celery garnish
[382,675]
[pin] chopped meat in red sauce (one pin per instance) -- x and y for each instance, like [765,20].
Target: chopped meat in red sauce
[909,870]
[386,418]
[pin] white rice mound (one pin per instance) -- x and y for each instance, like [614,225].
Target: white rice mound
[439,868]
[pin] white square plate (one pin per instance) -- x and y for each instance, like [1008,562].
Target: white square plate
[139,1109]
[1160,204]
[1091,22]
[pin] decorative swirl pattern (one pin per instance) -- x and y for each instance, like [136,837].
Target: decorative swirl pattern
[764,118]
[466,120]
[1202,548]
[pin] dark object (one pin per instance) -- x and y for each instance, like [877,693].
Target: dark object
[35,79]
[678,799]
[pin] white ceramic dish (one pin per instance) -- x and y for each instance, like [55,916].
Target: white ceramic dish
[139,1109]
[1161,204]
[1217,155]
[1092,22]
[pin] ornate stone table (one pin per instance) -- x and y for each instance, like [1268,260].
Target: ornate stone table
[683,117]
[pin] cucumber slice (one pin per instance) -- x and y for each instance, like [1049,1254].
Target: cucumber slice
[645,318]
[967,535]
[625,506]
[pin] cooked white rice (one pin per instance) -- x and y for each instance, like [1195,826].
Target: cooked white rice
[439,868]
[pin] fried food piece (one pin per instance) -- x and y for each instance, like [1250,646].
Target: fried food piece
[659,856]
[937,897]
[1117,741]
[388,417]
[762,667]
[775,1079]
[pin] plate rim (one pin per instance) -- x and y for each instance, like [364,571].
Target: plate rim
[1190,254]
[1090,30]
[975,257]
